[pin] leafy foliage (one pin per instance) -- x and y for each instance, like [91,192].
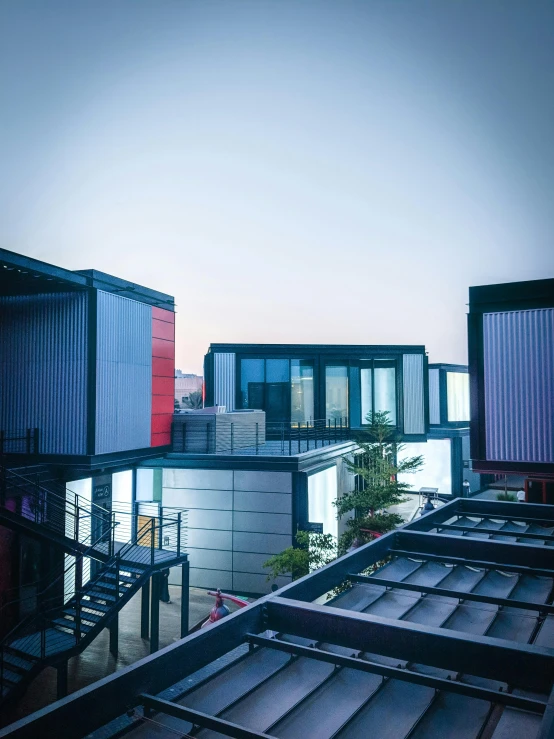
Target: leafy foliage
[377,468]
[506,497]
[311,552]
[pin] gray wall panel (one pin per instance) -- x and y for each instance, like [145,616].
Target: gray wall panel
[518,348]
[124,374]
[199,519]
[271,523]
[261,481]
[198,479]
[244,541]
[211,579]
[249,583]
[245,562]
[414,405]
[209,538]
[210,559]
[211,499]
[434,397]
[43,368]
[268,502]
[224,380]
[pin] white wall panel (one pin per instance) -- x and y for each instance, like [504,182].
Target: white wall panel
[434,397]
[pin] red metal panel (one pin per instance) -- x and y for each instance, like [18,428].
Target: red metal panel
[162,330]
[162,404]
[161,439]
[163,315]
[162,423]
[163,386]
[163,349]
[163,367]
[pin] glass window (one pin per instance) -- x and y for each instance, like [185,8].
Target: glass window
[385,391]
[457,393]
[301,390]
[252,383]
[336,393]
[366,392]
[277,370]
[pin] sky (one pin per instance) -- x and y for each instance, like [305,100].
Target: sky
[292,171]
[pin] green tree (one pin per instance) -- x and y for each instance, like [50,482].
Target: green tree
[377,468]
[311,552]
[193,401]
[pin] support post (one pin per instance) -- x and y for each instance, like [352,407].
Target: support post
[184,599]
[114,635]
[61,680]
[144,611]
[155,614]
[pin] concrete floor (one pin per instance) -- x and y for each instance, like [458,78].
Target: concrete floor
[96,661]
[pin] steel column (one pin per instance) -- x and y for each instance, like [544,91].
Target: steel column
[61,680]
[144,610]
[185,598]
[155,613]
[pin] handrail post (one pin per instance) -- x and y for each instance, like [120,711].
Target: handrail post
[179,534]
[298,437]
[78,591]
[152,535]
[43,639]
[232,438]
[257,438]
[76,526]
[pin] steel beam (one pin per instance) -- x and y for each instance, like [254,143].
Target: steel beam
[398,673]
[459,594]
[477,563]
[497,553]
[227,728]
[505,509]
[89,708]
[518,664]
[492,532]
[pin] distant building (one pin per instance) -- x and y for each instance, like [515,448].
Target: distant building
[185,385]
[511,367]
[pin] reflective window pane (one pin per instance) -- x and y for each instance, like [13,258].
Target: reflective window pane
[385,391]
[336,393]
[252,383]
[366,392]
[457,394]
[301,390]
[277,370]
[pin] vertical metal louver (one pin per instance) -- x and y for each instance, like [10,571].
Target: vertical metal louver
[518,349]
[414,405]
[224,380]
[43,368]
[434,397]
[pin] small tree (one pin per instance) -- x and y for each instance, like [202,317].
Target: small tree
[311,552]
[377,468]
[194,400]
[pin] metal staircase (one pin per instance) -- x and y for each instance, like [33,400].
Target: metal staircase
[70,613]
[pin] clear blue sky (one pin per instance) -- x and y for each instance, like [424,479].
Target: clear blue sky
[292,171]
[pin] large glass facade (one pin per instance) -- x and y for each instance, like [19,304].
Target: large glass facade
[336,393]
[378,388]
[301,390]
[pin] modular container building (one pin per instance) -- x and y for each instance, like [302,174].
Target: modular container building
[88,364]
[511,366]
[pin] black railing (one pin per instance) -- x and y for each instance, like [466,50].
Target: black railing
[19,441]
[281,438]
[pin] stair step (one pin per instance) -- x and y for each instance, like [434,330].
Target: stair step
[102,596]
[16,664]
[27,660]
[122,578]
[85,615]
[94,606]
[11,677]
[71,625]
[138,570]
[111,587]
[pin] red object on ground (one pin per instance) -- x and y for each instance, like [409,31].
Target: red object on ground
[376,534]
[220,610]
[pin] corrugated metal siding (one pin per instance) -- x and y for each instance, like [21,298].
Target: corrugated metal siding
[518,348]
[123,374]
[414,407]
[43,368]
[434,397]
[224,380]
